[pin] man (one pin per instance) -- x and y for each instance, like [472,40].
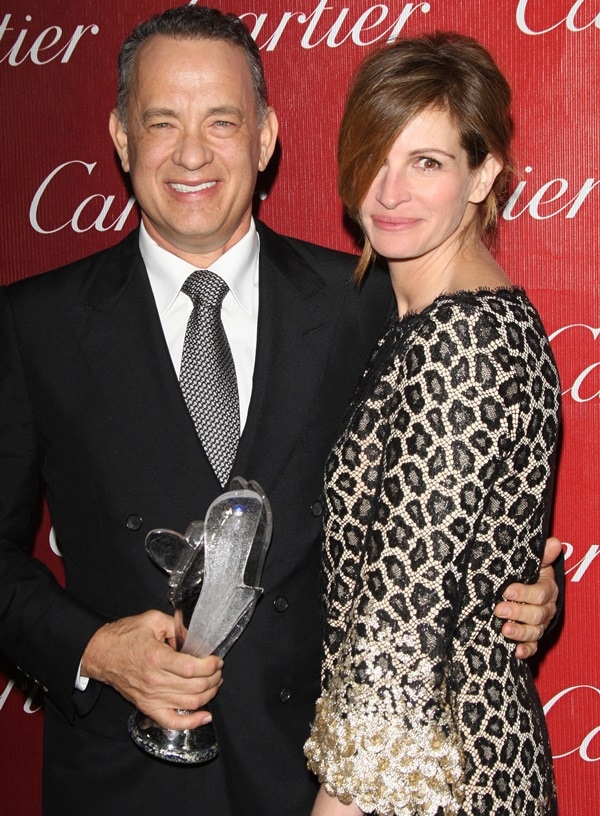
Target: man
[90,400]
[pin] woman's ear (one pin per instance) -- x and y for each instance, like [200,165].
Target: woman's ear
[484,177]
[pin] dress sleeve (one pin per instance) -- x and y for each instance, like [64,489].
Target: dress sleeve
[417,474]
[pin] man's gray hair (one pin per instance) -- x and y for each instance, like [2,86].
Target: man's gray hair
[191,23]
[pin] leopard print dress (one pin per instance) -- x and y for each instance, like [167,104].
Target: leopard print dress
[437,497]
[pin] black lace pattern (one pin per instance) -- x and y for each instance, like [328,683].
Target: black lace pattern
[437,497]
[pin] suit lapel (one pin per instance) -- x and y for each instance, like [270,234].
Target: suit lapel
[127,354]
[295,328]
[121,337]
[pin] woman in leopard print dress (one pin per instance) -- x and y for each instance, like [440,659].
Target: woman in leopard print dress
[438,490]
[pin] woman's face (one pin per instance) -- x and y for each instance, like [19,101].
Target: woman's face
[424,193]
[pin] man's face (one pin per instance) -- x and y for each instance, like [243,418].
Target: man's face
[193,146]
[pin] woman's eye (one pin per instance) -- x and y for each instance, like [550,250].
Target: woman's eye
[428,164]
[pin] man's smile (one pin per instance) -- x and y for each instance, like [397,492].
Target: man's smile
[193,188]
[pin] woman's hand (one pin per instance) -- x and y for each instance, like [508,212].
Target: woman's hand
[326,805]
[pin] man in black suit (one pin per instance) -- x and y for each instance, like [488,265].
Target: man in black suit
[90,401]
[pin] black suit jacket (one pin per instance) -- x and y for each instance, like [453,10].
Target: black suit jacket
[89,399]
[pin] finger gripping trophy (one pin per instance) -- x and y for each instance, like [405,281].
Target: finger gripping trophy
[214,575]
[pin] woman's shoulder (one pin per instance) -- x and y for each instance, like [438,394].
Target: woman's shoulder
[506,303]
[499,325]
[483,313]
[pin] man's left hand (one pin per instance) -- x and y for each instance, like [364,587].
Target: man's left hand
[529,608]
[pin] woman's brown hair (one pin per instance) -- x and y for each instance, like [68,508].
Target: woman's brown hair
[444,71]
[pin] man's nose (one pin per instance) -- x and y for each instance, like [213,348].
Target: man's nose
[192,151]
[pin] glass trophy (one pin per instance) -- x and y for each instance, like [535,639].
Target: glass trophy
[214,574]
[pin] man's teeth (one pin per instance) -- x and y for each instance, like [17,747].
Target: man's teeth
[195,188]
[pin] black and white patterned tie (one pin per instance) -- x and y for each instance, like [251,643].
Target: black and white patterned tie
[207,376]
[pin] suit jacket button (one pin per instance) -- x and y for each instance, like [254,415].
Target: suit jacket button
[280,604]
[284,695]
[133,522]
[316,508]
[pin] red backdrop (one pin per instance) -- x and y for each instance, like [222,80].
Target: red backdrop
[64,197]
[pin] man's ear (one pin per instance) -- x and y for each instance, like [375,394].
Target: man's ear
[268,138]
[119,136]
[484,177]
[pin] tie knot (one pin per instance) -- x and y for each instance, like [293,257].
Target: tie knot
[205,288]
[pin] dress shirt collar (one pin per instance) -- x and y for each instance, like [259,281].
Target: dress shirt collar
[167,272]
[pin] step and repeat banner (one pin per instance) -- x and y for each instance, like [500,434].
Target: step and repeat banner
[65,197]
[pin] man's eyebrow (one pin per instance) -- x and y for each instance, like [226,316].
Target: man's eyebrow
[153,112]
[217,110]
[225,110]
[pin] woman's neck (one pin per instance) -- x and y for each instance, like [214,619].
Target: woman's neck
[418,281]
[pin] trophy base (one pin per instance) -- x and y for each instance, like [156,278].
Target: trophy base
[190,747]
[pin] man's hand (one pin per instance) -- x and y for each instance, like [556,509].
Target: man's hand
[132,656]
[529,608]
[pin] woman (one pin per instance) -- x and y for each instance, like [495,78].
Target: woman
[438,490]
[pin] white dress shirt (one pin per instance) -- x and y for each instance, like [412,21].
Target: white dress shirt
[239,269]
